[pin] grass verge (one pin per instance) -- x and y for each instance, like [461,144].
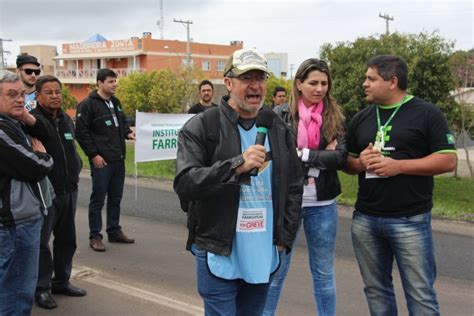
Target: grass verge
[453,198]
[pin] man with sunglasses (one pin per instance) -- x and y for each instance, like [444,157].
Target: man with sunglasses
[238,223]
[28,68]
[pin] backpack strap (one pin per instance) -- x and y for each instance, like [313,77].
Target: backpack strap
[212,126]
[212,129]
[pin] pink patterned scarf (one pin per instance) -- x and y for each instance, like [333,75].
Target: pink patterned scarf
[309,125]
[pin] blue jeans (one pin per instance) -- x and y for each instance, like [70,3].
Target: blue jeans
[320,226]
[19,252]
[107,181]
[228,297]
[377,241]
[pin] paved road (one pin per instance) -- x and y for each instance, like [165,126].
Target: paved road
[155,276]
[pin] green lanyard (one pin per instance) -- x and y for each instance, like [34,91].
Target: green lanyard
[381,129]
[397,106]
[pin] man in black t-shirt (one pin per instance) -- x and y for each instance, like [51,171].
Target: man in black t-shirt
[396,146]
[206,91]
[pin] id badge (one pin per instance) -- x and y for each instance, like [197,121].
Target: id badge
[251,220]
[379,143]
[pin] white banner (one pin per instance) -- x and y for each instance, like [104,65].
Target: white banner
[157,135]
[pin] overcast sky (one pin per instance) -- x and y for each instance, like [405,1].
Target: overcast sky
[293,26]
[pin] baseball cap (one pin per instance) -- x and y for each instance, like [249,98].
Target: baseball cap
[26,59]
[244,60]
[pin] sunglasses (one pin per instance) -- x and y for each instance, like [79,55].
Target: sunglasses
[30,71]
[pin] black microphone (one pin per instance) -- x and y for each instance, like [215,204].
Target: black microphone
[264,123]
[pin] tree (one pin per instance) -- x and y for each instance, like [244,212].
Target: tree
[134,91]
[157,91]
[69,101]
[427,56]
[162,91]
[275,82]
[191,77]
[462,120]
[167,93]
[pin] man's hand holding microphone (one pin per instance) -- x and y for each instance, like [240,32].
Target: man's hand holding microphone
[254,156]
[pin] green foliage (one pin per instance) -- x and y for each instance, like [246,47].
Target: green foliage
[133,91]
[461,64]
[427,56]
[160,91]
[462,69]
[275,82]
[69,101]
[166,94]
[191,77]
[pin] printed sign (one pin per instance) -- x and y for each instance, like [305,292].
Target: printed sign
[157,135]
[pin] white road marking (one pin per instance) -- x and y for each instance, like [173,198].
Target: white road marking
[93,276]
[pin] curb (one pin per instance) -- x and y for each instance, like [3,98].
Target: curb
[447,226]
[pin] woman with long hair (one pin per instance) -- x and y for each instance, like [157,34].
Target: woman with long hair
[318,126]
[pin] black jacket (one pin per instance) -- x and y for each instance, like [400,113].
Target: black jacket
[57,136]
[328,162]
[212,222]
[96,131]
[20,170]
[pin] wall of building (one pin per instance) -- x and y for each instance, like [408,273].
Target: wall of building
[44,54]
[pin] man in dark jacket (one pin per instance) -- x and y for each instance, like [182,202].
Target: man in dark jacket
[23,162]
[236,231]
[101,130]
[55,130]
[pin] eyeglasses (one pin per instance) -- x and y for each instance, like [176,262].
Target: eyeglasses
[30,71]
[51,93]
[247,78]
[13,95]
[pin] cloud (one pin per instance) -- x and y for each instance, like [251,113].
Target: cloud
[294,26]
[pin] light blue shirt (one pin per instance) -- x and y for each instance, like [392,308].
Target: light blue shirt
[30,101]
[253,257]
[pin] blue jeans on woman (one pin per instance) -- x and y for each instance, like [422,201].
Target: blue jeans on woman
[227,297]
[19,253]
[320,227]
[377,241]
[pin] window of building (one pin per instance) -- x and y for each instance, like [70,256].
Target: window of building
[206,65]
[184,62]
[220,65]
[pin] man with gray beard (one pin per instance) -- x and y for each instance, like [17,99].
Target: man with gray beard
[246,196]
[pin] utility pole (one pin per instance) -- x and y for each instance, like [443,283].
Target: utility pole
[3,63]
[188,42]
[387,19]
[291,70]
[162,20]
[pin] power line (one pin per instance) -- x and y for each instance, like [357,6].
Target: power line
[387,19]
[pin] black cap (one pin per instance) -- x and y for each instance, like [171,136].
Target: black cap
[26,59]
